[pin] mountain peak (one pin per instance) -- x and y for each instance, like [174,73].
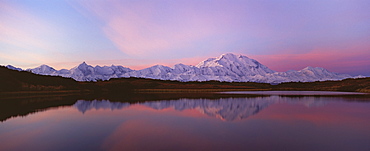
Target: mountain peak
[313,68]
[83,65]
[228,55]
[45,67]
[43,70]
[231,56]
[230,60]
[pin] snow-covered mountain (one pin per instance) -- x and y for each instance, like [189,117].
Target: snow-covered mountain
[13,68]
[228,67]
[84,72]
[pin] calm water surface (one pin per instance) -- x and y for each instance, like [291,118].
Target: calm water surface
[227,123]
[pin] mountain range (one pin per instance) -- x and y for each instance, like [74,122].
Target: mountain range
[228,67]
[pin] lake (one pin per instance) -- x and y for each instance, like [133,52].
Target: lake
[194,122]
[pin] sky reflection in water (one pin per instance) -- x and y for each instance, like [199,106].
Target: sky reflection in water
[263,123]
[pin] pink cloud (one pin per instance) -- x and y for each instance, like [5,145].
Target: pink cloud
[339,61]
[136,29]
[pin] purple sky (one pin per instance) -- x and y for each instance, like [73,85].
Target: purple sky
[281,34]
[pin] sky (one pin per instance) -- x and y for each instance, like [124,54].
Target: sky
[281,34]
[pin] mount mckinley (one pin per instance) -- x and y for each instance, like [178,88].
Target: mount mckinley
[228,67]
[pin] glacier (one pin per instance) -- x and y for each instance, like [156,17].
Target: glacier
[227,67]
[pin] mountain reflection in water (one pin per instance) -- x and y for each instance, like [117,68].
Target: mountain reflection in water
[228,109]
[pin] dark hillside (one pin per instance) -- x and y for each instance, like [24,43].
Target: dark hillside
[12,80]
[348,85]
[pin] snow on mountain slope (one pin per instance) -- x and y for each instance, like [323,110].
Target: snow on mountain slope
[43,70]
[228,67]
[240,65]
[307,74]
[13,68]
[154,72]
[84,72]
